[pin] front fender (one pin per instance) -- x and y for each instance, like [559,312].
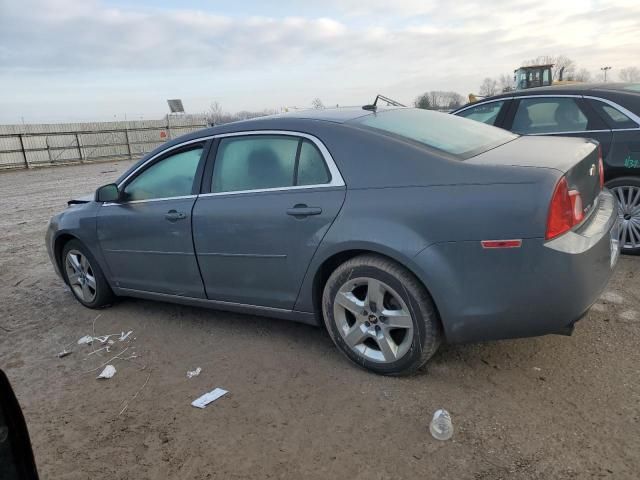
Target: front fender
[78,221]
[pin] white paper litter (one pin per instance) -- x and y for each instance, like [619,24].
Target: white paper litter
[108,372]
[64,353]
[194,373]
[87,339]
[123,336]
[207,398]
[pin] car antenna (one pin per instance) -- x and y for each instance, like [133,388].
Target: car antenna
[374,106]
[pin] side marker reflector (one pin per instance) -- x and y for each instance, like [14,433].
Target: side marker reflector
[501,243]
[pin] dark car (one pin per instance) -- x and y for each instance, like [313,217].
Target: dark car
[608,112]
[396,228]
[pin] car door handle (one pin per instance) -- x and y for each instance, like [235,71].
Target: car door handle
[174,216]
[303,211]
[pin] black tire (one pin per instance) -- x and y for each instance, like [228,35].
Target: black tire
[103,295]
[629,213]
[426,332]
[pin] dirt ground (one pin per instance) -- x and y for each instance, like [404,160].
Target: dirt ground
[542,408]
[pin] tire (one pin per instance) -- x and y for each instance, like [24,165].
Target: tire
[627,192]
[84,276]
[395,338]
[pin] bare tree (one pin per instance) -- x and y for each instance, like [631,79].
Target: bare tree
[488,87]
[439,100]
[505,82]
[582,75]
[215,113]
[560,64]
[629,74]
[217,116]
[423,101]
[317,103]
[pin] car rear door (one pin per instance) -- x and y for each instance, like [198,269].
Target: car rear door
[623,158]
[268,199]
[489,112]
[146,237]
[563,115]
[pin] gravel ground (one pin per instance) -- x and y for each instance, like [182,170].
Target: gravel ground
[549,407]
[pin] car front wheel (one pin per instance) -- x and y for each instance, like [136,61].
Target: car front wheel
[627,192]
[380,316]
[84,276]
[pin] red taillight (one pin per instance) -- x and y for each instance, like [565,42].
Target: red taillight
[600,167]
[565,210]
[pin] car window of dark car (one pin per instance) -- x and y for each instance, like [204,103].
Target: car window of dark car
[311,167]
[549,115]
[485,113]
[452,134]
[254,162]
[614,117]
[170,177]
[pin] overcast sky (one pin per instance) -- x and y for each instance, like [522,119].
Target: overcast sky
[66,60]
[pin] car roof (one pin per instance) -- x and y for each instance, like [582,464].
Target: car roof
[572,89]
[597,89]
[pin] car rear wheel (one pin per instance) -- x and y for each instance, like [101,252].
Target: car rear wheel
[380,316]
[84,276]
[627,192]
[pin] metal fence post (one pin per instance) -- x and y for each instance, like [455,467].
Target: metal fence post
[126,135]
[79,149]
[46,141]
[24,153]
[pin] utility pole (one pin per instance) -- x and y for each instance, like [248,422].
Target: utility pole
[604,69]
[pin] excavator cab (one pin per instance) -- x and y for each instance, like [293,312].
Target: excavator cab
[533,76]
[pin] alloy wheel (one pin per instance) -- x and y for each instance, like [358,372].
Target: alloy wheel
[373,320]
[81,277]
[629,201]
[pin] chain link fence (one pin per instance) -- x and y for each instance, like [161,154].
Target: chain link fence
[34,145]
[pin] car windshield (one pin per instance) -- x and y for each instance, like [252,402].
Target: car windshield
[452,134]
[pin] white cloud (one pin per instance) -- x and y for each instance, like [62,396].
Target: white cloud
[398,48]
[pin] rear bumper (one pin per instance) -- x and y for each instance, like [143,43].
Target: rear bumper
[541,288]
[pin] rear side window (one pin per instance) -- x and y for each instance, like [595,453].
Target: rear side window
[614,117]
[449,133]
[485,113]
[311,167]
[257,162]
[549,115]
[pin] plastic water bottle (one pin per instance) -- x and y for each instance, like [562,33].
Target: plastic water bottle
[441,427]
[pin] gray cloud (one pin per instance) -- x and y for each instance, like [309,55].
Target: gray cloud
[399,48]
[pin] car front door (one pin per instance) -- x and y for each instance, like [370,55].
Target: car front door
[267,202]
[146,237]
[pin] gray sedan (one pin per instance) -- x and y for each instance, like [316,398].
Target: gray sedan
[396,229]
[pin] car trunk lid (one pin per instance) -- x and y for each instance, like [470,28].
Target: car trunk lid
[576,158]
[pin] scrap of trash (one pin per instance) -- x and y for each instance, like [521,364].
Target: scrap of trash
[209,397]
[194,373]
[108,372]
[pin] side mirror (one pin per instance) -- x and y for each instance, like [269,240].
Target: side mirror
[108,193]
[16,455]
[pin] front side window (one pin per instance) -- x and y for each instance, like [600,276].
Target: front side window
[170,177]
[443,131]
[549,115]
[485,113]
[257,162]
